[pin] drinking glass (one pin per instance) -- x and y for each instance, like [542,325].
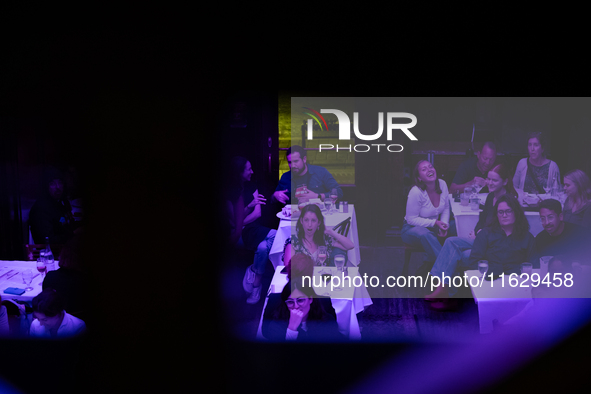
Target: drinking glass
[482,268]
[327,205]
[41,267]
[321,255]
[339,261]
[475,204]
[27,279]
[526,268]
[325,272]
[464,199]
[333,196]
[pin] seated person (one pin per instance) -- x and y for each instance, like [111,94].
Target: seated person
[427,211]
[454,249]
[535,172]
[301,265]
[51,320]
[4,327]
[312,233]
[559,237]
[255,236]
[505,244]
[300,316]
[70,280]
[318,180]
[577,207]
[51,215]
[474,170]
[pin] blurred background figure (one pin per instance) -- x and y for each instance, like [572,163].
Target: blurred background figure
[71,279]
[254,236]
[577,207]
[51,320]
[51,215]
[4,328]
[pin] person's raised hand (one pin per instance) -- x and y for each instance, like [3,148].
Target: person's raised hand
[281,196]
[479,181]
[295,319]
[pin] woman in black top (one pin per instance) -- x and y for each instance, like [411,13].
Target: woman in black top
[456,250]
[300,317]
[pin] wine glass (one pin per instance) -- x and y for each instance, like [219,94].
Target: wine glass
[325,273]
[327,205]
[339,262]
[333,196]
[322,255]
[27,279]
[41,267]
[482,268]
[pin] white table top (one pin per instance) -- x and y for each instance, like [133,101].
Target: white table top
[15,279]
[499,290]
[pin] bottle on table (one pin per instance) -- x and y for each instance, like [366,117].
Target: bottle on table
[555,188]
[48,254]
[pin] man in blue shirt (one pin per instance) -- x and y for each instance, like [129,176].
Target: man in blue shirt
[318,180]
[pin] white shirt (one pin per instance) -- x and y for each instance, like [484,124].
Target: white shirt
[71,326]
[420,210]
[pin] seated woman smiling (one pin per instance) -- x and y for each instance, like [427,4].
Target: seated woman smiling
[427,211]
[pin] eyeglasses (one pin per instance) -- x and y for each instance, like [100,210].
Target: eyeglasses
[502,213]
[290,302]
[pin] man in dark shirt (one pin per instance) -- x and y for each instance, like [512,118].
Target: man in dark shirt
[475,170]
[559,237]
[51,215]
[318,180]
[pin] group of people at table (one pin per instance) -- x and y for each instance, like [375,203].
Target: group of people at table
[59,308]
[501,236]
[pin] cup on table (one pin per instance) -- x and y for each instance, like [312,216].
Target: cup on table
[339,261]
[464,199]
[345,205]
[544,260]
[482,267]
[475,203]
[526,268]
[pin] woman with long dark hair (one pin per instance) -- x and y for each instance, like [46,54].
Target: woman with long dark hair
[427,211]
[255,237]
[505,244]
[455,253]
[312,233]
[577,207]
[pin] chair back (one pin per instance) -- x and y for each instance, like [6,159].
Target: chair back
[32,251]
